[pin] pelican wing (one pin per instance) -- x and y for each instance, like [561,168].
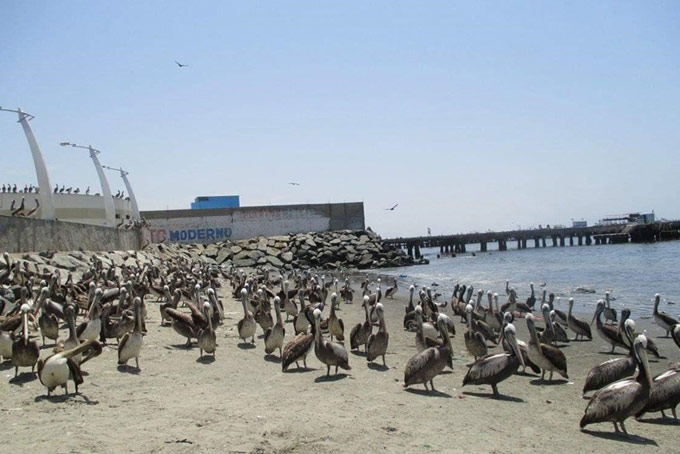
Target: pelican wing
[609,372]
[296,348]
[487,367]
[181,317]
[555,356]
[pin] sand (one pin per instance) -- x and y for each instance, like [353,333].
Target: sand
[243,403]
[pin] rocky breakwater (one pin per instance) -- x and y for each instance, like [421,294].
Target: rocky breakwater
[329,250]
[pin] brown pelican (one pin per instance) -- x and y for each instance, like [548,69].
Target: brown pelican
[622,399]
[297,349]
[361,331]
[56,369]
[25,352]
[493,318]
[523,347]
[651,345]
[391,291]
[91,327]
[72,340]
[183,324]
[513,306]
[49,323]
[560,316]
[609,312]
[531,301]
[273,337]
[474,340]
[263,315]
[493,369]
[578,326]
[608,333]
[424,338]
[329,353]
[335,325]
[665,393]
[614,369]
[131,344]
[207,341]
[301,320]
[6,341]
[662,319]
[424,366]
[172,302]
[288,305]
[559,332]
[377,343]
[246,326]
[544,356]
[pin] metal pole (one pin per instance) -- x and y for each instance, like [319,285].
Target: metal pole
[109,207]
[45,194]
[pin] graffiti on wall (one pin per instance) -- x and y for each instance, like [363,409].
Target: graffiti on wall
[191,235]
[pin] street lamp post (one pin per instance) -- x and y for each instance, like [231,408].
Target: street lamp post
[133,201]
[45,194]
[109,207]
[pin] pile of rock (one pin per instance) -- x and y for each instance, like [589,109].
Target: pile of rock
[329,250]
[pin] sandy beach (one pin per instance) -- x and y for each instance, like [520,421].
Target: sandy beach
[243,403]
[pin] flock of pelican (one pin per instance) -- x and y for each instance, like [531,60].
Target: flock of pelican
[110,303]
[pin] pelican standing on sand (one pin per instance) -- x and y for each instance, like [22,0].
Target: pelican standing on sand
[207,340]
[617,402]
[665,393]
[662,319]
[131,344]
[25,352]
[297,349]
[578,326]
[377,343]
[424,366]
[56,369]
[614,369]
[246,326]
[336,328]
[493,369]
[545,356]
[474,341]
[273,337]
[609,333]
[329,353]
[361,331]
[609,312]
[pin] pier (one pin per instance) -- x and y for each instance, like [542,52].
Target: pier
[543,237]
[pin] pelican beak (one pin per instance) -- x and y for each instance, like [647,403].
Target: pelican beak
[512,340]
[594,317]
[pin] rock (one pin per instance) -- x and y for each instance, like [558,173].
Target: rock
[274,261]
[224,254]
[244,263]
[287,257]
[236,249]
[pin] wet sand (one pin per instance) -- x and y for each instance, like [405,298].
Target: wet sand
[243,403]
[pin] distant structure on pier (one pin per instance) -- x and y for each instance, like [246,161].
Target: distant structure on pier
[215,202]
[630,218]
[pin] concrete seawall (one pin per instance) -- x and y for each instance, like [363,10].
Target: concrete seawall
[216,225]
[36,235]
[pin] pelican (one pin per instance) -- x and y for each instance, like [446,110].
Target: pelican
[493,319]
[391,291]
[665,393]
[329,353]
[273,337]
[560,316]
[609,312]
[72,340]
[263,315]
[25,352]
[288,305]
[297,349]
[172,302]
[544,356]
[91,327]
[578,326]
[559,332]
[49,323]
[424,366]
[493,369]
[131,344]
[651,345]
[662,319]
[361,331]
[377,343]
[301,321]
[676,334]
[531,301]
[608,333]
[424,339]
[247,325]
[622,399]
[335,325]
[614,369]
[474,340]
[57,368]
[207,341]
[523,347]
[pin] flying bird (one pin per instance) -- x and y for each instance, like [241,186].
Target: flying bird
[180,64]
[292,183]
[392,209]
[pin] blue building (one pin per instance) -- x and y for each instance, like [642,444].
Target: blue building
[213,202]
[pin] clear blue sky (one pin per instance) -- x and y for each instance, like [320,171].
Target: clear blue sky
[471,116]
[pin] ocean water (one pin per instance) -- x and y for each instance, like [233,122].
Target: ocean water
[633,273]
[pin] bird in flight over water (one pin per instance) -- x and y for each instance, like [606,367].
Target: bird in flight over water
[180,64]
[292,183]
[392,209]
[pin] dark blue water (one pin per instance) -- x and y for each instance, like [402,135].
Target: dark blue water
[632,273]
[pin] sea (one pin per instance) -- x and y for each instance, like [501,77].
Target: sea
[632,273]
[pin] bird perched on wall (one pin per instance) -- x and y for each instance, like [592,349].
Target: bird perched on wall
[87,191]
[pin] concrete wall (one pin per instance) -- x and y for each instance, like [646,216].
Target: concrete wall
[36,235]
[208,226]
[80,208]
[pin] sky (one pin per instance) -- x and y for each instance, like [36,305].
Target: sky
[472,116]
